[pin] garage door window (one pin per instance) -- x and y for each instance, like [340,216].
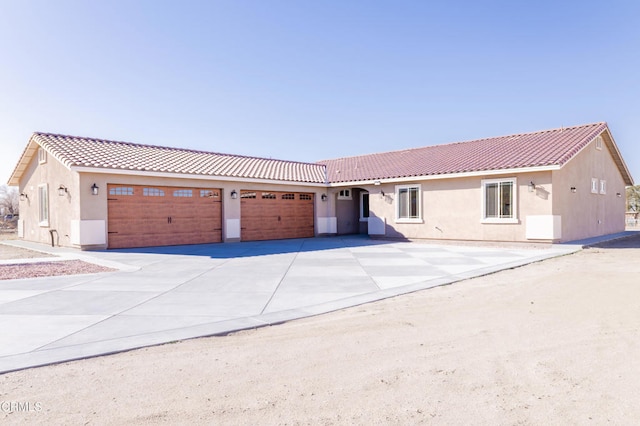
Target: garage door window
[268,196]
[120,190]
[209,194]
[306,197]
[248,195]
[152,192]
[183,193]
[288,196]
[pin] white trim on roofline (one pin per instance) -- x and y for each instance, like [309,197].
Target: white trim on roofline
[449,176]
[194,176]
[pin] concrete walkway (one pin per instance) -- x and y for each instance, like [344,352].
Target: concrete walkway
[165,294]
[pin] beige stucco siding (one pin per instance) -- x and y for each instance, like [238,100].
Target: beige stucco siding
[585,214]
[62,209]
[452,209]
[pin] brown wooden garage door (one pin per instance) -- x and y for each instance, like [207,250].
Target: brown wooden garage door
[270,215]
[144,216]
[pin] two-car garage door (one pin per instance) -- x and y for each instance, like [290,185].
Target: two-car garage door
[144,216]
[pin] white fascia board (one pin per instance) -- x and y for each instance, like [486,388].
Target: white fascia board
[194,177]
[449,176]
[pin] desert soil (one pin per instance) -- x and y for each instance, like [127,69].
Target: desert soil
[555,342]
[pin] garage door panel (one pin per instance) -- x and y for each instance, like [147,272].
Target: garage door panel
[276,215]
[164,216]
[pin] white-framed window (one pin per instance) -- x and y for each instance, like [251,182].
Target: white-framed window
[43,205]
[364,206]
[599,142]
[344,194]
[42,156]
[603,187]
[499,200]
[594,185]
[409,203]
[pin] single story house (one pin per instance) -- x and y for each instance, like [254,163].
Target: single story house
[549,186]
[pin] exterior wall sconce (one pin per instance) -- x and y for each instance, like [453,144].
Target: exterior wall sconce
[323,197]
[94,189]
[573,189]
[532,186]
[23,196]
[233,194]
[62,190]
[382,193]
[619,195]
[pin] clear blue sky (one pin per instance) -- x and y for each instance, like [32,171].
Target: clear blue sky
[310,80]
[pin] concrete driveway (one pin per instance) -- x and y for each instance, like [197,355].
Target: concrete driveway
[165,294]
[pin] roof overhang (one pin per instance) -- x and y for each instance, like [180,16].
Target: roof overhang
[617,157]
[192,176]
[23,163]
[479,173]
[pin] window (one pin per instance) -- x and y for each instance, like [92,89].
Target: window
[248,195]
[498,201]
[599,142]
[42,156]
[43,205]
[364,206]
[268,196]
[288,196]
[121,190]
[409,205]
[306,197]
[152,192]
[603,187]
[594,185]
[183,193]
[344,194]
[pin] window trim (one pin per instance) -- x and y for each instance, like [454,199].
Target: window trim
[43,205]
[594,185]
[418,219]
[514,201]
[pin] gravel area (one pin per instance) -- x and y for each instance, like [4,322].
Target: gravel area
[49,269]
[39,269]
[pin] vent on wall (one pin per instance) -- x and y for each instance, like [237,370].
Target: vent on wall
[599,142]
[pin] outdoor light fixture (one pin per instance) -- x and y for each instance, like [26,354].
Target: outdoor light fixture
[233,194]
[618,194]
[62,190]
[23,196]
[532,186]
[573,189]
[94,189]
[324,197]
[382,193]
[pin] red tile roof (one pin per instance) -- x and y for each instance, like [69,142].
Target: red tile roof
[539,149]
[103,154]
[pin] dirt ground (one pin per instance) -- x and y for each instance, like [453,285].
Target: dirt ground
[555,342]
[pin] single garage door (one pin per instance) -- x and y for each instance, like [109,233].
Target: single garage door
[144,216]
[270,215]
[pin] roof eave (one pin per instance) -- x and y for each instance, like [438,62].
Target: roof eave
[23,162]
[87,169]
[478,173]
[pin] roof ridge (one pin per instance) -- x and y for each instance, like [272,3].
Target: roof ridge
[172,148]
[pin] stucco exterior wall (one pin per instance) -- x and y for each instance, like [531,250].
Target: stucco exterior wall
[586,214]
[62,209]
[452,209]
